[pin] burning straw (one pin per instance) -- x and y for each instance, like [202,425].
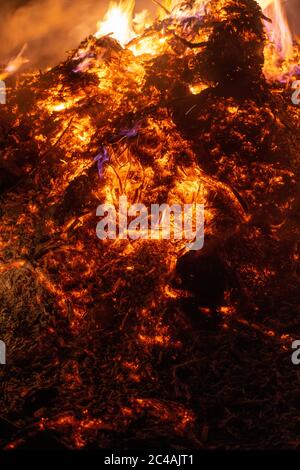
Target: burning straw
[138,341]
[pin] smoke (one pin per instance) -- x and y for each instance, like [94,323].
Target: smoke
[49,27]
[293,14]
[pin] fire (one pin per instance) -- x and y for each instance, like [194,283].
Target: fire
[279,49]
[14,64]
[282,34]
[113,121]
[279,31]
[118,21]
[123,24]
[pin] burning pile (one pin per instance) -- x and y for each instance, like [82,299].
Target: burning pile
[139,341]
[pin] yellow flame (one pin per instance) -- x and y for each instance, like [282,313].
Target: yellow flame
[118,21]
[264,3]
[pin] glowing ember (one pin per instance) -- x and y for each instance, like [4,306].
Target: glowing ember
[142,330]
